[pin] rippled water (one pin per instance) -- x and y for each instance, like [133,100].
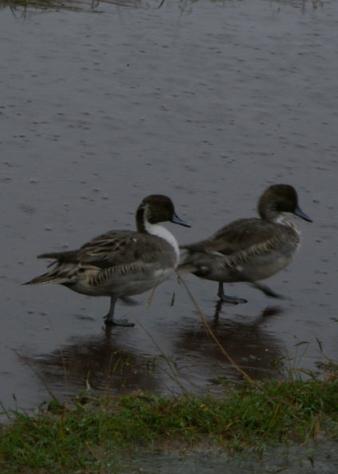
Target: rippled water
[206,102]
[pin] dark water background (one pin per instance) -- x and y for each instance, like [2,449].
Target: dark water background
[206,102]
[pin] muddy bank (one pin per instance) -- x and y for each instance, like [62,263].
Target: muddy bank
[318,458]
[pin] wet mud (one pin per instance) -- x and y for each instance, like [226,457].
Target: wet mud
[318,458]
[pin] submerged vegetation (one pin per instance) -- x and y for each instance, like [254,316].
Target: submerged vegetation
[93,433]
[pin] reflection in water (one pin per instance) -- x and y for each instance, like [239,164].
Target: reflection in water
[102,364]
[267,311]
[253,348]
[96,362]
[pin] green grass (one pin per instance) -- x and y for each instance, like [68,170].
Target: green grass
[91,434]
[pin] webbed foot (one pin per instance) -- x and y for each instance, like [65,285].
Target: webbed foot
[109,319]
[232,299]
[223,298]
[109,322]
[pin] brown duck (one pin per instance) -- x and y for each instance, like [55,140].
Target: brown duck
[249,250]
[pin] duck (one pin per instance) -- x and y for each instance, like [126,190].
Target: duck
[121,263]
[249,250]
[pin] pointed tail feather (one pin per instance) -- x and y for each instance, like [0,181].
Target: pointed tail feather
[61,274]
[68,256]
[49,277]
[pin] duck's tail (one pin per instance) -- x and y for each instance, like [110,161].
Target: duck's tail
[65,266]
[61,257]
[48,277]
[61,275]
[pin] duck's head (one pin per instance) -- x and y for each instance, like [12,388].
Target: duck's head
[157,208]
[277,199]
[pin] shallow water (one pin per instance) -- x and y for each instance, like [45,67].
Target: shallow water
[206,102]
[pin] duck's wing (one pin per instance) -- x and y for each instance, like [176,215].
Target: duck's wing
[238,244]
[242,237]
[103,248]
[116,253]
[126,250]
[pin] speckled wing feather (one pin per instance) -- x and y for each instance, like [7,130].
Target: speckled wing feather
[113,254]
[243,234]
[125,248]
[244,238]
[115,248]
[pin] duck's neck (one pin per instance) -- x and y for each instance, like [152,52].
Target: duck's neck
[283,218]
[140,216]
[145,227]
[267,211]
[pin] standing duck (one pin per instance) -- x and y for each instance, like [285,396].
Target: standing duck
[249,250]
[121,263]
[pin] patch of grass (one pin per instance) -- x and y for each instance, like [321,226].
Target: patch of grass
[91,434]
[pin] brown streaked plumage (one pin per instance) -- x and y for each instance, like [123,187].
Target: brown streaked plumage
[249,250]
[121,263]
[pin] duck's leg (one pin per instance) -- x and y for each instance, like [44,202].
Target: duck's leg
[109,318]
[128,301]
[218,309]
[266,290]
[228,299]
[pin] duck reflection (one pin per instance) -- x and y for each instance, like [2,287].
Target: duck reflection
[248,342]
[193,364]
[98,363]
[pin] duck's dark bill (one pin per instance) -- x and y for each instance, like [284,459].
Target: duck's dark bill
[298,212]
[177,220]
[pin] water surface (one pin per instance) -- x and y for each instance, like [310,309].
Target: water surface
[206,102]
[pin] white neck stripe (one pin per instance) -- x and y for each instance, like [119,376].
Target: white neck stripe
[163,233]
